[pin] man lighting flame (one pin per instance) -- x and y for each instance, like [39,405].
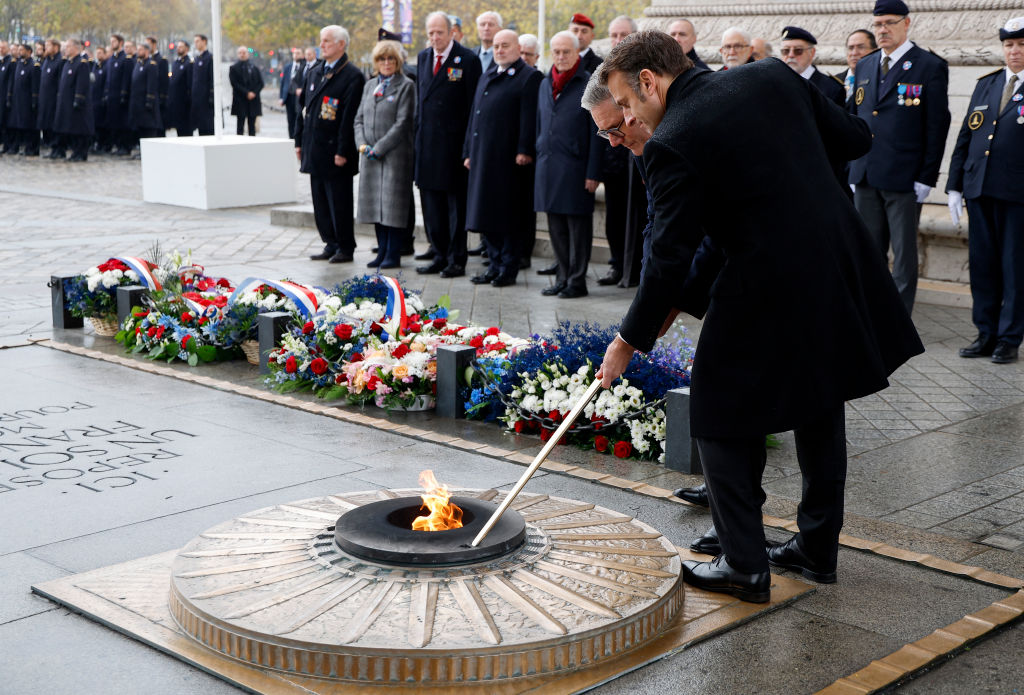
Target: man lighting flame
[443,515]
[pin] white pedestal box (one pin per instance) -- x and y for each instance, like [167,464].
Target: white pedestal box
[209,172]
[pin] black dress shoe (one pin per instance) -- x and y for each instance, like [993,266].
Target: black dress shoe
[718,576]
[612,278]
[375,249]
[483,278]
[573,292]
[481,249]
[983,346]
[433,269]
[453,271]
[427,255]
[694,495]
[503,281]
[323,255]
[789,556]
[389,264]
[552,291]
[485,260]
[375,263]
[1004,353]
[550,270]
[708,543]
[340,257]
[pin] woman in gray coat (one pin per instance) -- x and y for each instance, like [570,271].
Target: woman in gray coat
[384,129]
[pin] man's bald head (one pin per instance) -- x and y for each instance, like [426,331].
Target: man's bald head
[506,47]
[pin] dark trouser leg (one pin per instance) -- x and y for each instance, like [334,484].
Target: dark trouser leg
[986,266]
[821,451]
[322,213]
[903,213]
[436,221]
[581,241]
[30,138]
[391,242]
[616,197]
[184,132]
[636,221]
[380,233]
[732,471]
[240,124]
[251,118]
[492,242]
[342,212]
[289,110]
[558,231]
[871,206]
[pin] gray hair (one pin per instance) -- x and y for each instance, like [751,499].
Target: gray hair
[442,15]
[528,41]
[338,33]
[595,92]
[747,36]
[570,35]
[492,13]
[623,17]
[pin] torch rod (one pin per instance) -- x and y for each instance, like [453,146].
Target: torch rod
[548,446]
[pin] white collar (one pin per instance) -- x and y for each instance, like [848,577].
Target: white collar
[1007,74]
[806,74]
[584,51]
[900,51]
[447,50]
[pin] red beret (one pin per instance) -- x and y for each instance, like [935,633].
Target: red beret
[583,19]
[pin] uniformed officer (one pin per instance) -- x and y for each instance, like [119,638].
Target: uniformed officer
[798,50]
[901,91]
[144,104]
[99,107]
[118,85]
[6,71]
[49,79]
[73,119]
[179,92]
[24,103]
[201,112]
[985,169]
[163,84]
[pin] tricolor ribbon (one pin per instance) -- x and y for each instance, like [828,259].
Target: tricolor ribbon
[303,296]
[199,310]
[395,308]
[141,269]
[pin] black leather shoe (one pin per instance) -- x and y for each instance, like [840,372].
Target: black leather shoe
[708,543]
[375,249]
[387,265]
[789,556]
[694,495]
[718,576]
[432,269]
[503,281]
[612,278]
[323,255]
[340,257]
[453,271]
[477,251]
[552,291]
[483,278]
[983,346]
[573,292]
[375,263]
[1004,353]
[427,255]
[550,270]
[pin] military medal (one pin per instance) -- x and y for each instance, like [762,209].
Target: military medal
[915,91]
[1020,114]
[901,89]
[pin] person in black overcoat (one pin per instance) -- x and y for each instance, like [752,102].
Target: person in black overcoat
[499,150]
[23,103]
[118,86]
[97,86]
[799,269]
[201,111]
[179,92]
[6,73]
[289,82]
[73,120]
[325,142]
[163,71]
[144,104]
[246,85]
[49,79]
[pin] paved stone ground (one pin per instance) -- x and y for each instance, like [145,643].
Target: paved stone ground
[937,460]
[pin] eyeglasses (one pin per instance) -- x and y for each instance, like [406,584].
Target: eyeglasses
[735,46]
[385,59]
[614,130]
[876,26]
[793,50]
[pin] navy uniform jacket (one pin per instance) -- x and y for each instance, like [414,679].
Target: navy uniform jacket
[201,111]
[908,140]
[988,159]
[24,95]
[6,72]
[96,88]
[74,98]
[179,93]
[244,78]
[145,96]
[590,61]
[442,116]
[503,124]
[843,329]
[49,79]
[119,81]
[829,86]
[325,129]
[163,71]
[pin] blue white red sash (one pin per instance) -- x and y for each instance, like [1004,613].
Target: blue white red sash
[302,296]
[396,304]
[141,268]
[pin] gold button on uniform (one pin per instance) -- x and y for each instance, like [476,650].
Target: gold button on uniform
[874,113]
[991,136]
[986,153]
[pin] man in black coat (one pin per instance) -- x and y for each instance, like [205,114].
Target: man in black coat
[6,73]
[73,120]
[799,47]
[499,150]
[118,86]
[799,265]
[325,143]
[685,34]
[49,79]
[23,103]
[447,75]
[164,82]
[144,105]
[201,111]
[582,27]
[179,92]
[901,91]
[246,85]
[97,86]
[289,81]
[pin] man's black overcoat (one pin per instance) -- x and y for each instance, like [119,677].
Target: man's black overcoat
[325,126]
[144,102]
[119,81]
[74,114]
[244,78]
[804,315]
[179,93]
[201,113]
[49,81]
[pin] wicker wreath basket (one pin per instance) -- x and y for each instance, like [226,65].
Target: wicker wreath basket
[251,348]
[105,325]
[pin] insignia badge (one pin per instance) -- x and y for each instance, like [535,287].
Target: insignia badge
[1014,26]
[907,65]
[458,59]
[1018,96]
[858,98]
[389,98]
[511,71]
[975,120]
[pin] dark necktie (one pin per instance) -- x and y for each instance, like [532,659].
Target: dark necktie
[885,66]
[1008,92]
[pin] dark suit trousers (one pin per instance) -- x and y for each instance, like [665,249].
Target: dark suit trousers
[332,210]
[241,120]
[733,470]
[636,222]
[996,256]
[289,110]
[572,237]
[616,202]
[892,217]
[444,217]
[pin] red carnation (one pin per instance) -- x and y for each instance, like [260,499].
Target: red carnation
[371,383]
[340,378]
[221,301]
[440,323]
[356,357]
[138,329]
[493,330]
[477,341]
[319,366]
[519,426]
[186,317]
[623,449]
[451,331]
[496,346]
[151,331]
[343,331]
[601,443]
[401,351]
[184,342]
[376,328]
[545,434]
[307,328]
[290,365]
[223,282]
[140,314]
[555,416]
[415,328]
[160,332]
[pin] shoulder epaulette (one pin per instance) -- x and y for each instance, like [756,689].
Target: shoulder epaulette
[989,74]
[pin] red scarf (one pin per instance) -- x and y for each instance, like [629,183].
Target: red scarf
[560,79]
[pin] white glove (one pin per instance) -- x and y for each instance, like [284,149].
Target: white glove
[956,204]
[921,191]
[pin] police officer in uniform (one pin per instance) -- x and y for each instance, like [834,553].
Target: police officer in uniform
[179,92]
[201,113]
[118,84]
[145,96]
[164,82]
[73,120]
[24,103]
[99,107]
[901,91]
[49,79]
[986,170]
[6,72]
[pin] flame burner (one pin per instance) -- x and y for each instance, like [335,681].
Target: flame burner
[382,532]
